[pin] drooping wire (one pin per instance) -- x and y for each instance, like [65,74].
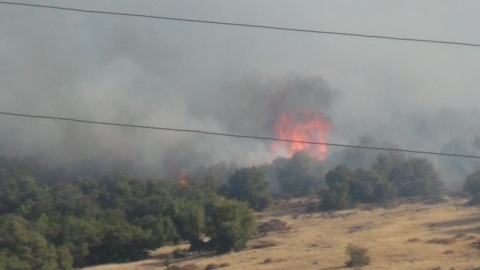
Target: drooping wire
[236,135]
[245,25]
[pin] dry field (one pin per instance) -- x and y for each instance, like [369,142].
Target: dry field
[413,236]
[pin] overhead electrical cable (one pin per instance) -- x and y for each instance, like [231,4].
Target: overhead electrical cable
[244,25]
[235,135]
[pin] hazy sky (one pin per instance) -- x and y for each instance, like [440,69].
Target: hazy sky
[154,72]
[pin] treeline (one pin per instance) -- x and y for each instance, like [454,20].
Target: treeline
[59,218]
[115,218]
[391,176]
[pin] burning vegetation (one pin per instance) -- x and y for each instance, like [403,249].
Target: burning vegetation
[304,126]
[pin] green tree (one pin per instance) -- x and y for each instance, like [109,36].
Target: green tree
[24,249]
[121,242]
[300,175]
[410,176]
[346,188]
[337,195]
[190,219]
[230,225]
[250,185]
[373,187]
[472,187]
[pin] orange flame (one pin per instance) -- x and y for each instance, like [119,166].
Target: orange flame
[183,179]
[305,126]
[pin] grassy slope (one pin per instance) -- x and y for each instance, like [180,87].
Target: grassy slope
[321,239]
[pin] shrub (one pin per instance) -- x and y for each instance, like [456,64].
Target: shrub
[265,243]
[441,241]
[179,253]
[216,266]
[212,266]
[358,256]
[268,260]
[190,266]
[174,267]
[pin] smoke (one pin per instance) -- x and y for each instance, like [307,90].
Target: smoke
[126,73]
[231,80]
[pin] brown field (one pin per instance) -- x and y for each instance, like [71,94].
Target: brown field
[411,236]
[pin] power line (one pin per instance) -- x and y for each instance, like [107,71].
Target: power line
[235,135]
[245,25]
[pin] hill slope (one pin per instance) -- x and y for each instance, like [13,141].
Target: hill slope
[412,236]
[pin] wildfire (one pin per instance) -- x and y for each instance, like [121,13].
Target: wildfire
[302,126]
[183,179]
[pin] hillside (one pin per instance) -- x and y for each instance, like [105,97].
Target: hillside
[410,236]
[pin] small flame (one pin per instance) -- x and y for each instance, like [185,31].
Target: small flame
[303,126]
[183,179]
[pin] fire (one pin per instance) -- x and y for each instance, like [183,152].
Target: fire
[183,179]
[302,126]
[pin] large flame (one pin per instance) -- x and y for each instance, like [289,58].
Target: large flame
[302,126]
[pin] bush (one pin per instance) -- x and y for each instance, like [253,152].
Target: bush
[174,267]
[265,243]
[212,266]
[358,256]
[179,253]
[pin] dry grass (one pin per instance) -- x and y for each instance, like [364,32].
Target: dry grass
[395,238]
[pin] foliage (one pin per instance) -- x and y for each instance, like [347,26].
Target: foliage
[230,225]
[358,256]
[412,176]
[21,248]
[210,179]
[115,218]
[391,176]
[250,185]
[338,194]
[472,186]
[300,175]
[179,253]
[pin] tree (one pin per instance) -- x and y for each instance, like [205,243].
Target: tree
[121,242]
[230,225]
[374,187]
[410,176]
[472,186]
[189,218]
[300,175]
[337,195]
[250,185]
[23,249]
[211,178]
[346,188]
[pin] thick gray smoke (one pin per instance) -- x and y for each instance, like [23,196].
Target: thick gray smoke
[123,73]
[233,80]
